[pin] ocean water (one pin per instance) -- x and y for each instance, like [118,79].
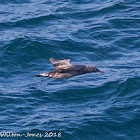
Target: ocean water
[94,106]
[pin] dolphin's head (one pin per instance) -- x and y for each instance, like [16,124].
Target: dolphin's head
[92,69]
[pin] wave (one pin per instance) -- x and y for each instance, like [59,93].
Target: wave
[91,106]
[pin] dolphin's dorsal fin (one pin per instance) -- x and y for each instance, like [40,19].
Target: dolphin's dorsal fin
[60,64]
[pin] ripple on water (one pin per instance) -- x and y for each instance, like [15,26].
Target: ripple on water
[92,106]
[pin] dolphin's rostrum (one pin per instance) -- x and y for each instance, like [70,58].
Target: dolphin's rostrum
[63,69]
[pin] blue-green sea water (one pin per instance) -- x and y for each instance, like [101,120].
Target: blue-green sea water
[94,106]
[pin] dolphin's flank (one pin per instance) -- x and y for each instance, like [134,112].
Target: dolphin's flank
[63,69]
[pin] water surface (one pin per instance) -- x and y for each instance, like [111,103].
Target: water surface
[103,33]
